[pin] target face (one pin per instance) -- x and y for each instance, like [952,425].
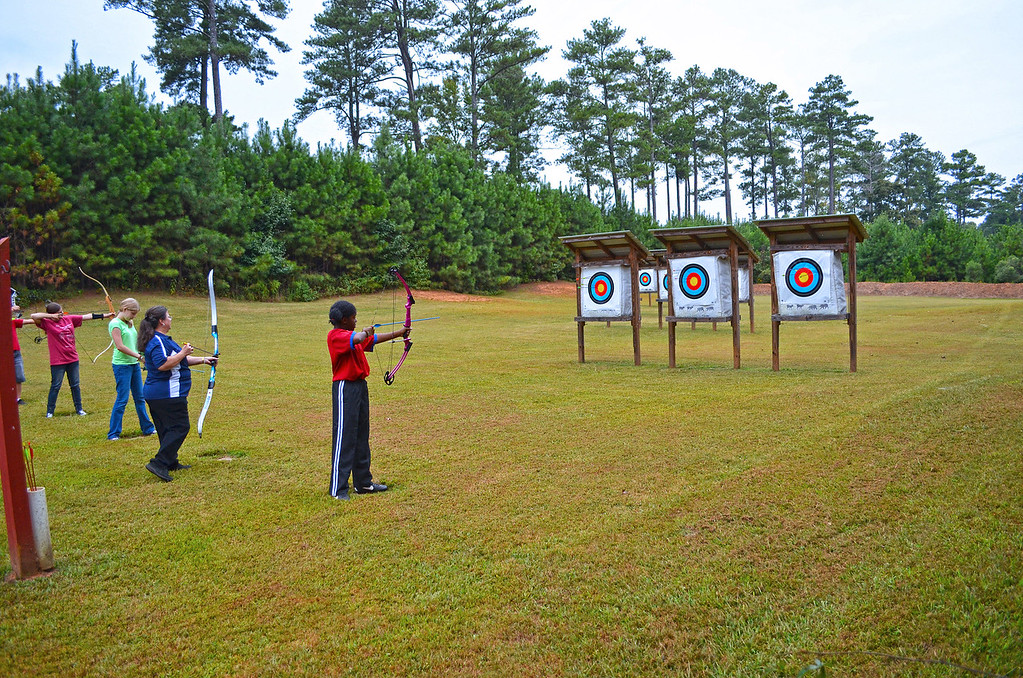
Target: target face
[694,281]
[645,279]
[601,288]
[665,282]
[804,277]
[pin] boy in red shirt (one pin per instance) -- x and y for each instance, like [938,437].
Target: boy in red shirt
[350,449]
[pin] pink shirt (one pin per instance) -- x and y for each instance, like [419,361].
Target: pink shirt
[60,338]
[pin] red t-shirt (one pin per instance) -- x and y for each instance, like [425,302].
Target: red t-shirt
[15,324]
[347,358]
[60,338]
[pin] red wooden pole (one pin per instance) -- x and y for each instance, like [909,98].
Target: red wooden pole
[20,540]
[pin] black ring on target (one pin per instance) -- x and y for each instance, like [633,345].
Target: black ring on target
[694,281]
[645,279]
[804,277]
[600,288]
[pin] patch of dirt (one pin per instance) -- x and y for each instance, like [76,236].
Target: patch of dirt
[444,295]
[558,288]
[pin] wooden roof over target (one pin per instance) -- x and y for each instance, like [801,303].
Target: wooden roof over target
[825,229]
[656,257]
[604,246]
[693,241]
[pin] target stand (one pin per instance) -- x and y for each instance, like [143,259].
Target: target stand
[703,279]
[660,291]
[807,281]
[607,281]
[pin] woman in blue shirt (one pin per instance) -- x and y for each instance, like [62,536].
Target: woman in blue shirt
[168,381]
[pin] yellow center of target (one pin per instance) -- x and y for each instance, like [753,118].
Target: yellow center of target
[803,277]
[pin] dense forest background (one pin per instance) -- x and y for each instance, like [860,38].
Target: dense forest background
[440,171]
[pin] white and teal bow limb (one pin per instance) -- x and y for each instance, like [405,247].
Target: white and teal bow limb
[216,354]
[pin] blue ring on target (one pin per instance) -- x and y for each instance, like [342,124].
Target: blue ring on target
[694,281]
[600,288]
[645,279]
[665,283]
[804,277]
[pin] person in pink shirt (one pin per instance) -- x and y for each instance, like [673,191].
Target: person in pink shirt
[60,339]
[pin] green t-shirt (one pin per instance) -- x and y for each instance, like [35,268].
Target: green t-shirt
[130,337]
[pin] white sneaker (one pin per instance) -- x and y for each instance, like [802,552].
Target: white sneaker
[49,415]
[82,413]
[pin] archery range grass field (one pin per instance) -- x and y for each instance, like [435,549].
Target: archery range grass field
[545,517]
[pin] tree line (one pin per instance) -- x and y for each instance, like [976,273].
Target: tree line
[440,171]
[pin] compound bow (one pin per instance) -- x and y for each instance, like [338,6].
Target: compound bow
[389,376]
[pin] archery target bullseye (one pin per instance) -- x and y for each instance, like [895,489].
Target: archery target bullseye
[702,287]
[601,288]
[605,291]
[647,280]
[694,281]
[809,283]
[804,277]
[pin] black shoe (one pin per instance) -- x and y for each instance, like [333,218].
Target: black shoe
[373,487]
[180,467]
[342,495]
[21,401]
[159,472]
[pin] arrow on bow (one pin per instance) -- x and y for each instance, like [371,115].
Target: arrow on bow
[216,354]
[389,377]
[110,305]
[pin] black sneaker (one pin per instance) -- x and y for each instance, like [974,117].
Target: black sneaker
[180,467]
[371,488]
[159,472]
[342,495]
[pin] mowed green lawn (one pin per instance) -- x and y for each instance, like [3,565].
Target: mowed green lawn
[546,517]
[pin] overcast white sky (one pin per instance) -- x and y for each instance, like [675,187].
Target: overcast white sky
[948,70]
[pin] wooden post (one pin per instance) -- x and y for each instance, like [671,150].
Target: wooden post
[579,305]
[852,300]
[636,321]
[20,539]
[671,343]
[775,324]
[749,264]
[733,268]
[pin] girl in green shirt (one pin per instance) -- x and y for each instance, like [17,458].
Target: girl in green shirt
[127,372]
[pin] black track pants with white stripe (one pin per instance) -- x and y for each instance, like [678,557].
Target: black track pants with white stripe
[349,453]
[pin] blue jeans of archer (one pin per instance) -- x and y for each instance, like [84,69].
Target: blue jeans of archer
[129,382]
[57,373]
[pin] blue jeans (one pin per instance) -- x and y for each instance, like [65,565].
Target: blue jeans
[129,381]
[57,373]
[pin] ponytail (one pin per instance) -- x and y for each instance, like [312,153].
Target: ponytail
[147,326]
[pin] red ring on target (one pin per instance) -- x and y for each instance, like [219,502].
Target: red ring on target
[694,281]
[804,277]
[600,288]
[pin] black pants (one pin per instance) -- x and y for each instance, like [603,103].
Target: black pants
[350,452]
[170,416]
